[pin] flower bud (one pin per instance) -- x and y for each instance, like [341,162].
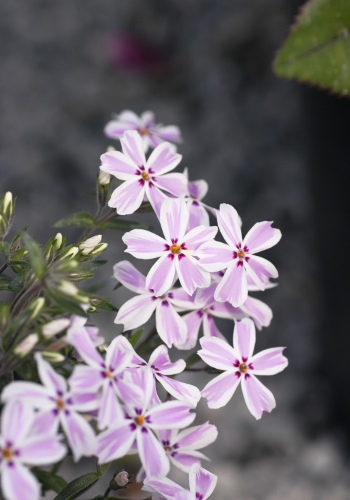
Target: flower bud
[36,307]
[55,326]
[24,347]
[67,288]
[99,249]
[7,206]
[58,240]
[122,478]
[90,244]
[104,178]
[53,357]
[71,253]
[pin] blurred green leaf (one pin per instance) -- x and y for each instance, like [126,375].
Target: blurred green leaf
[36,257]
[5,282]
[78,486]
[79,219]
[49,480]
[317,51]
[135,337]
[122,225]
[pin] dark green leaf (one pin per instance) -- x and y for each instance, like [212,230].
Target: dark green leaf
[122,225]
[135,337]
[49,480]
[4,249]
[78,486]
[36,257]
[317,51]
[194,358]
[66,303]
[79,219]
[5,282]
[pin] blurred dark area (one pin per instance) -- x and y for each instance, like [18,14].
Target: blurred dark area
[273,149]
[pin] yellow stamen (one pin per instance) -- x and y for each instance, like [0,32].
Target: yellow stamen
[139,420]
[241,254]
[175,249]
[60,403]
[167,448]
[7,453]
[145,176]
[108,374]
[243,368]
[143,131]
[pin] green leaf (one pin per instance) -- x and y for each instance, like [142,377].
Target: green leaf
[79,219]
[49,480]
[5,282]
[4,249]
[317,51]
[122,225]
[135,337]
[36,257]
[78,486]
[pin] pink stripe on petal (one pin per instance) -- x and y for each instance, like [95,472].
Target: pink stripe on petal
[79,433]
[261,237]
[42,450]
[118,356]
[115,442]
[80,339]
[173,219]
[127,197]
[136,311]
[229,224]
[130,118]
[147,118]
[172,414]
[133,147]
[198,215]
[214,256]
[129,276]
[233,286]
[185,460]
[115,128]
[49,377]
[119,165]
[269,362]
[32,394]
[152,454]
[143,244]
[209,327]
[263,270]
[166,488]
[18,483]
[172,183]
[217,353]
[260,312]
[258,398]
[45,422]
[160,359]
[199,235]
[170,326]
[84,401]
[193,321]
[220,390]
[86,378]
[161,275]
[155,196]
[110,410]
[190,274]
[163,159]
[244,338]
[180,390]
[16,420]
[169,133]
[202,482]
[197,437]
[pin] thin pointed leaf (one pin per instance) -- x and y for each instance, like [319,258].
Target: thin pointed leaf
[49,480]
[78,486]
[122,225]
[36,257]
[79,219]
[135,337]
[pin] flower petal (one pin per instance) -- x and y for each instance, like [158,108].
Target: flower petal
[118,164]
[110,410]
[209,327]
[133,147]
[217,353]
[230,224]
[180,390]
[169,133]
[18,483]
[260,312]
[143,244]
[214,256]
[258,398]
[129,276]
[197,437]
[172,183]
[173,219]
[115,442]
[136,311]
[261,237]
[32,394]
[80,339]
[166,488]
[170,326]
[51,379]
[198,215]
[155,196]
[163,159]
[199,235]
[127,197]
[269,361]
[260,270]
[17,419]
[161,276]
[118,356]
[185,460]
[193,321]
[172,414]
[220,390]
[244,338]
[42,450]
[79,433]
[86,378]
[202,482]
[190,274]
[160,360]
[152,454]
[233,286]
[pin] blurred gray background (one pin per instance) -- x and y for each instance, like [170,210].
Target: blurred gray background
[205,66]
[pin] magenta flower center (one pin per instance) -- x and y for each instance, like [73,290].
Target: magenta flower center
[7,453]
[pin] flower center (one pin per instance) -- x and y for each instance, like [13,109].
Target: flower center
[60,403]
[175,249]
[143,131]
[139,420]
[108,374]
[167,448]
[7,452]
[241,254]
[243,368]
[145,176]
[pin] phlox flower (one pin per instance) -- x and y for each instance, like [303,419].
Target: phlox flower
[100,376]
[139,423]
[19,447]
[162,369]
[196,191]
[137,311]
[151,133]
[202,485]
[143,178]
[238,257]
[241,367]
[176,251]
[181,446]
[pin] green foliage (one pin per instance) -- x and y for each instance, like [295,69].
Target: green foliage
[135,337]
[317,51]
[49,480]
[79,219]
[78,486]
[36,257]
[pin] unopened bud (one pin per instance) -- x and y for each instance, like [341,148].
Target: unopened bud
[90,244]
[26,345]
[58,240]
[55,326]
[36,307]
[122,478]
[71,253]
[99,249]
[7,207]
[68,288]
[104,178]
[53,357]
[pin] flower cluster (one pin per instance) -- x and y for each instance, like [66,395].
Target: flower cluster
[118,399]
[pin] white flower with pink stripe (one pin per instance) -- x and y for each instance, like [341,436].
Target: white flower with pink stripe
[241,367]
